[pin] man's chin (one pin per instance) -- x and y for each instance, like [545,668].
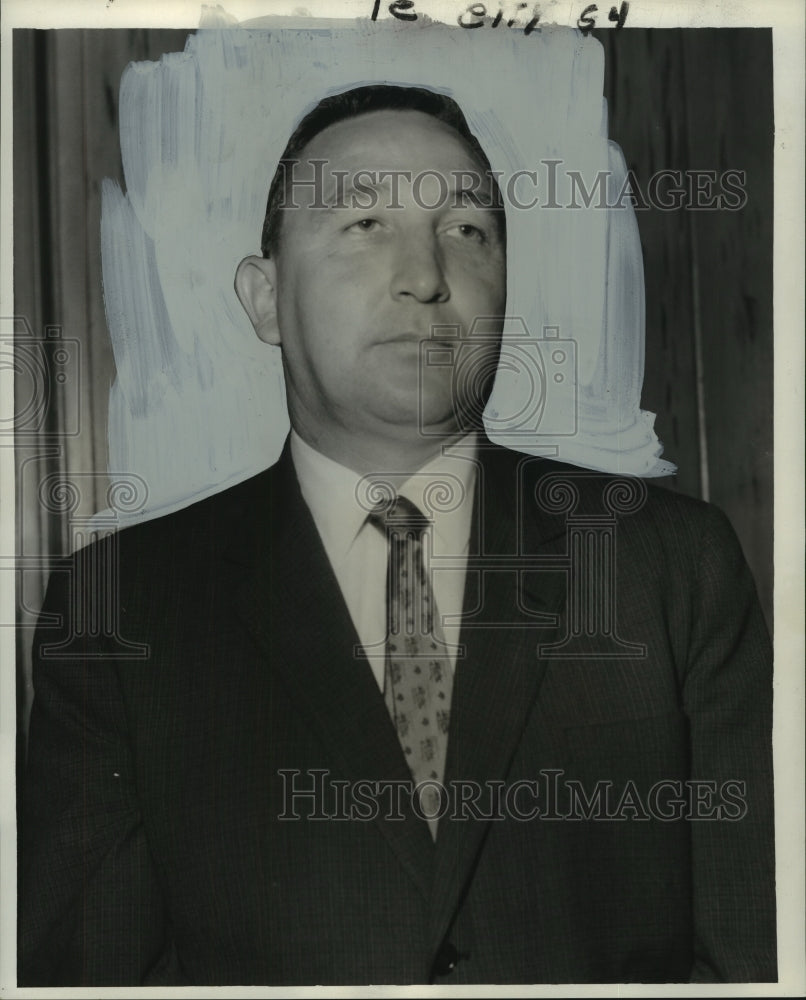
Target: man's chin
[432,421]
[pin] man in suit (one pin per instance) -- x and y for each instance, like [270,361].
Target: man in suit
[221,779]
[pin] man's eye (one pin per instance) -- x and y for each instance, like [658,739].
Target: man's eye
[468,231]
[364,225]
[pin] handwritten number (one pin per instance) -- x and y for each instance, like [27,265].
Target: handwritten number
[585,23]
[620,15]
[474,14]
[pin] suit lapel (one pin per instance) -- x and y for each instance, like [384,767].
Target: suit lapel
[293,605]
[498,678]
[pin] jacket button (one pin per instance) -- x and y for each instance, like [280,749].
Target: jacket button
[446,960]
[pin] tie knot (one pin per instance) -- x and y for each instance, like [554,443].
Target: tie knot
[400,514]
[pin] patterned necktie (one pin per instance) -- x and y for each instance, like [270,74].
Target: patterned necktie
[418,679]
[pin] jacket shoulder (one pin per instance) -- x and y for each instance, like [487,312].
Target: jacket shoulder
[557,492]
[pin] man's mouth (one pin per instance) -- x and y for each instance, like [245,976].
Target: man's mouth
[414,337]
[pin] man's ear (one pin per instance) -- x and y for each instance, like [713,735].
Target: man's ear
[255,286]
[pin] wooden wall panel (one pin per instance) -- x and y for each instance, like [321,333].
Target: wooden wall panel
[734,255]
[702,100]
[65,142]
[644,91]
[75,141]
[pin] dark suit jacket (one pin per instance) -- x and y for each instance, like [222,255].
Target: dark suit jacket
[152,848]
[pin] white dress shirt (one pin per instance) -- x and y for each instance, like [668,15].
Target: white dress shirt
[340,499]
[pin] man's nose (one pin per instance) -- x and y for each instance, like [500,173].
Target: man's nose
[419,273]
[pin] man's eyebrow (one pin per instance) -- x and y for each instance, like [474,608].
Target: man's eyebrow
[338,193]
[461,194]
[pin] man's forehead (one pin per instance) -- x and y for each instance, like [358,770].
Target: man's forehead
[388,158]
[391,139]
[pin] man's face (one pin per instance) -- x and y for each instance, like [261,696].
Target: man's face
[357,289]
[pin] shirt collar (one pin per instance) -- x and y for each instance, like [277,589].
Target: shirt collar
[336,495]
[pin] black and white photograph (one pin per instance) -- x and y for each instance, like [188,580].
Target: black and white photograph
[402,478]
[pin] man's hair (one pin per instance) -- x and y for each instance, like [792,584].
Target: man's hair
[351,104]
